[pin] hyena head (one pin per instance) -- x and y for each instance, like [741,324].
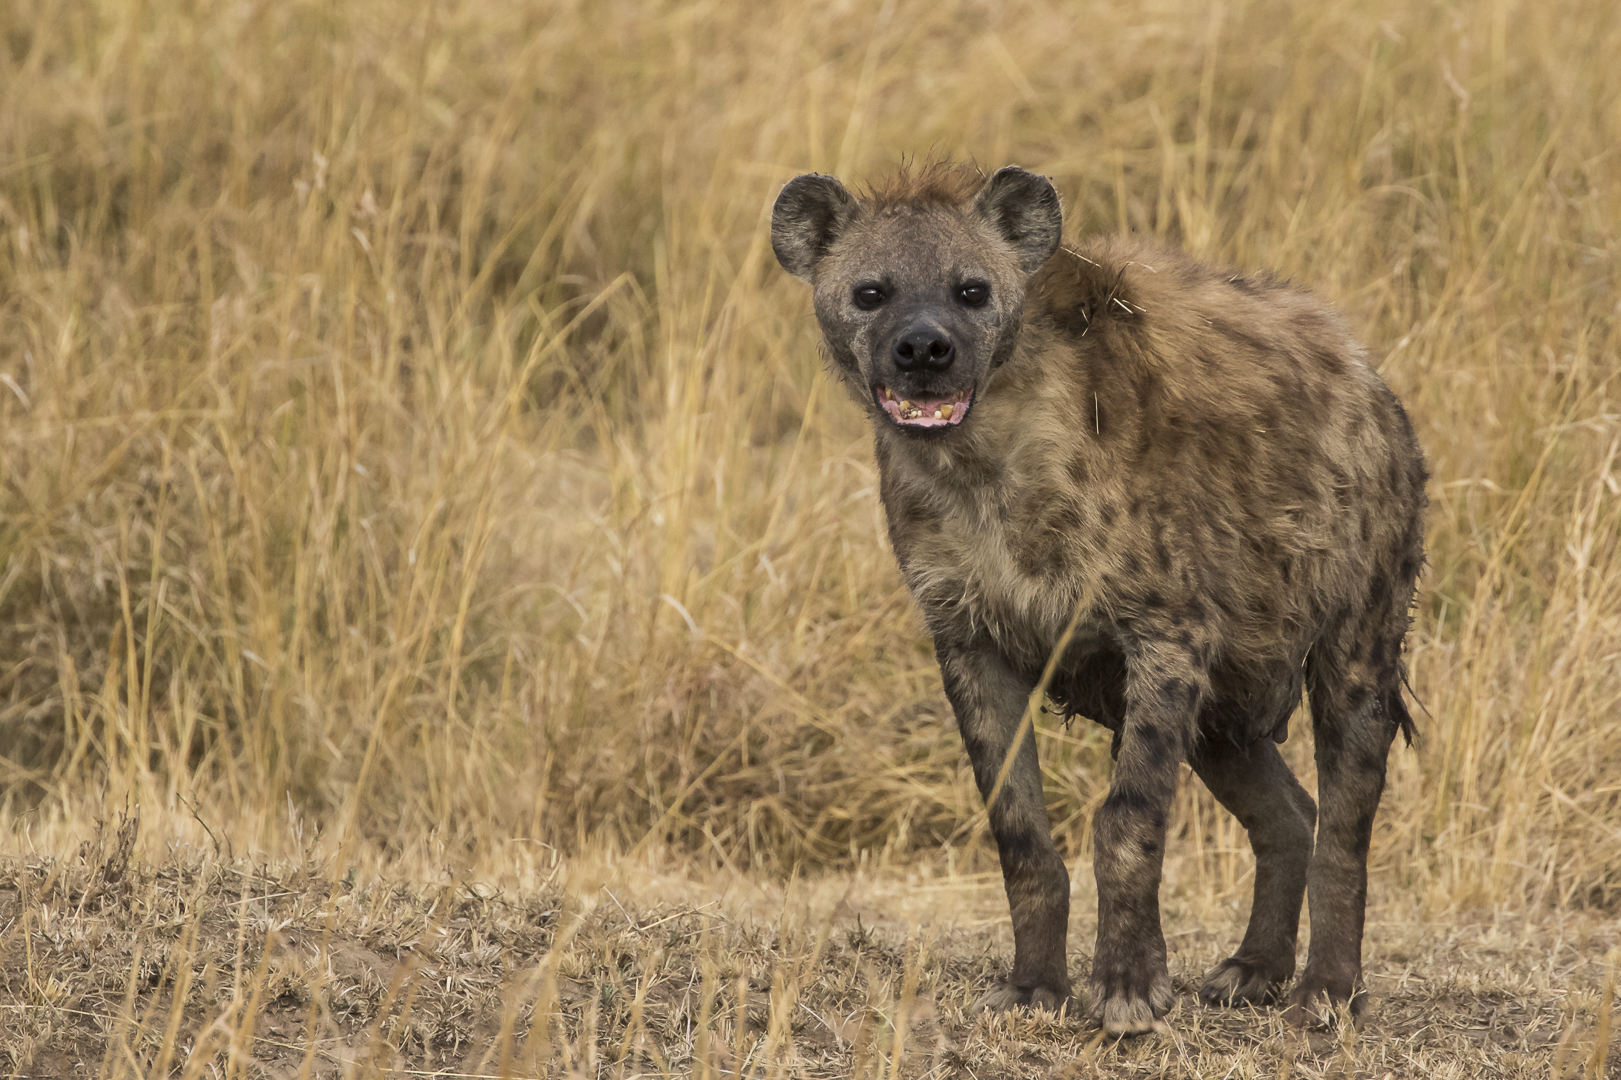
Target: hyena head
[919,288]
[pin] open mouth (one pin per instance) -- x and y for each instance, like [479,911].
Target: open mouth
[924,410]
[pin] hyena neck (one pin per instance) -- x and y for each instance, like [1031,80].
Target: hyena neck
[1016,426]
[963,496]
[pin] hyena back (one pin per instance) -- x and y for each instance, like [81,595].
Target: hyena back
[1196,473]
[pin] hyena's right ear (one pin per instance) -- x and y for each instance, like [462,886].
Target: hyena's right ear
[810,213]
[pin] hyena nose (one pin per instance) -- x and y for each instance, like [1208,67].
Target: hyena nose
[924,347]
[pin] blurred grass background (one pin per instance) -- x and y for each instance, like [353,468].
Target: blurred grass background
[409,444]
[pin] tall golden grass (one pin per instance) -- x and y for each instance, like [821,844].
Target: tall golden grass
[408,442]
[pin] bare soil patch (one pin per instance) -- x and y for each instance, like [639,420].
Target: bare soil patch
[198,968]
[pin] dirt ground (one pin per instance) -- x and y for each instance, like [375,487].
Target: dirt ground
[111,967]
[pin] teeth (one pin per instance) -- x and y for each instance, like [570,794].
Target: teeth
[906,409]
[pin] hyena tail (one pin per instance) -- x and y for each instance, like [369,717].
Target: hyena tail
[1396,709]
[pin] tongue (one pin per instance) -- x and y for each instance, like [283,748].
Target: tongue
[924,410]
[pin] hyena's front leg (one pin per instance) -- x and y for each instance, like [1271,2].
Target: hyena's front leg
[989,700]
[1131,983]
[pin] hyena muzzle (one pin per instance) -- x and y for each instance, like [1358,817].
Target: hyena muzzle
[1192,487]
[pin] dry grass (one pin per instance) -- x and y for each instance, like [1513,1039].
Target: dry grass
[411,457]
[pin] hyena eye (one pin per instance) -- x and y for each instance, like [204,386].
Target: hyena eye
[974,294]
[868,297]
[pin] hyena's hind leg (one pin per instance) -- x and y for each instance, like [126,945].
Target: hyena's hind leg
[1255,785]
[1357,709]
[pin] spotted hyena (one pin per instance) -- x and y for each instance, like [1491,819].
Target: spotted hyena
[1196,478]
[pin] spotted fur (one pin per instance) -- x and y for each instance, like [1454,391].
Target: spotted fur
[1207,466]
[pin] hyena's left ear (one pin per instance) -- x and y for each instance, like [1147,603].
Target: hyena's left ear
[1024,208]
[810,213]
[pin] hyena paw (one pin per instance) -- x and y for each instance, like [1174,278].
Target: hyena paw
[1316,999]
[1004,996]
[1244,982]
[1134,1004]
